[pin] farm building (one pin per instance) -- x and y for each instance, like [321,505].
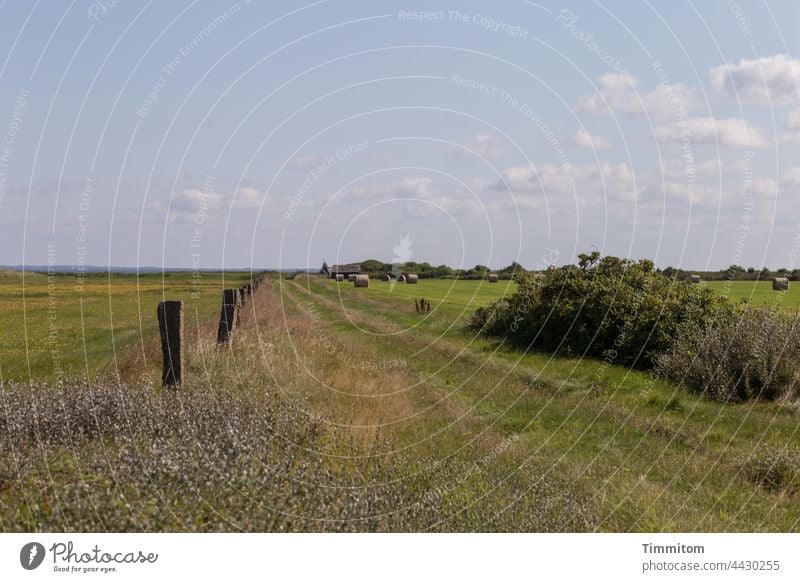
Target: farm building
[343,270]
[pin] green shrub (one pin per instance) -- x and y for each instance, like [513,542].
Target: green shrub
[621,310]
[751,353]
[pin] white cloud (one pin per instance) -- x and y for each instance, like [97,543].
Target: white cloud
[590,183]
[774,80]
[620,93]
[413,187]
[764,187]
[792,127]
[485,145]
[707,130]
[191,203]
[410,187]
[418,196]
[302,163]
[793,121]
[247,198]
[714,183]
[713,168]
[191,199]
[382,156]
[188,203]
[583,139]
[791,177]
[185,205]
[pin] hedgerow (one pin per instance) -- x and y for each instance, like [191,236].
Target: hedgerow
[628,313]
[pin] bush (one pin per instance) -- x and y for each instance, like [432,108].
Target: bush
[618,309]
[752,353]
[776,471]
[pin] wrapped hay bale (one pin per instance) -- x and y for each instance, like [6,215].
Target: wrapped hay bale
[385,278]
[401,279]
[412,279]
[780,284]
[339,278]
[493,278]
[694,278]
[362,280]
[351,277]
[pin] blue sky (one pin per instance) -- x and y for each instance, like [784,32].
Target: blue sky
[282,134]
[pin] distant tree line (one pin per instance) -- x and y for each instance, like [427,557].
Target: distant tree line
[425,270]
[374,267]
[733,273]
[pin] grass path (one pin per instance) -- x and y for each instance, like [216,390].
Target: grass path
[651,455]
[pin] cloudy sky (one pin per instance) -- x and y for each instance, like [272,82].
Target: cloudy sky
[244,134]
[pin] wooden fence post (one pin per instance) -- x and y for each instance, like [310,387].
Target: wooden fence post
[170,325]
[240,304]
[228,315]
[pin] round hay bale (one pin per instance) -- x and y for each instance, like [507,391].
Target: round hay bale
[385,277]
[694,278]
[412,279]
[339,278]
[351,277]
[780,284]
[493,278]
[362,281]
[401,279]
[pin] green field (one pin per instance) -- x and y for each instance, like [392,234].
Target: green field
[343,409]
[758,293]
[116,313]
[456,298]
[51,328]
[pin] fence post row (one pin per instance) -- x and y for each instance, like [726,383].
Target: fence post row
[170,326]
[228,316]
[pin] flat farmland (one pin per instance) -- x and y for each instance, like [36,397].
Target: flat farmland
[758,293]
[51,328]
[338,408]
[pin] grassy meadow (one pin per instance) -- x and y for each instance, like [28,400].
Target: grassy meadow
[52,328]
[343,409]
[758,293]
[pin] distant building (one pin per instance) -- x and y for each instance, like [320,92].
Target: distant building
[344,270]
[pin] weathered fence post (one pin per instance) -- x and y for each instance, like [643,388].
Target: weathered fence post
[228,315]
[240,301]
[170,325]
